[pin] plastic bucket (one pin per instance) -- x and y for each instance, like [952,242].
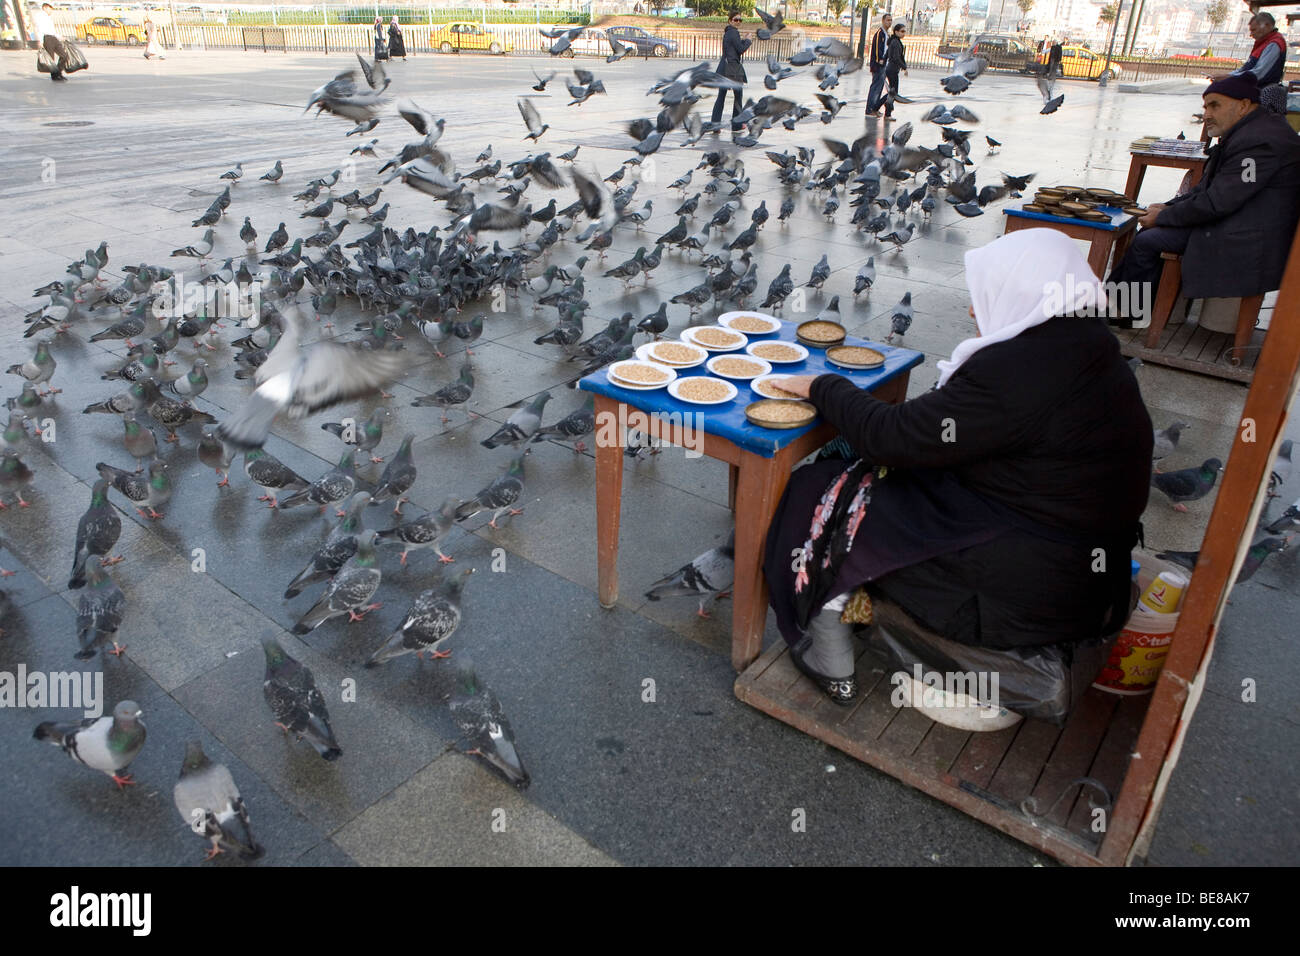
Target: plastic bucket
[1139,653]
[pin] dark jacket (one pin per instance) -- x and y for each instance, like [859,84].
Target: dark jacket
[396,43]
[1048,430]
[895,59]
[1243,212]
[879,42]
[733,48]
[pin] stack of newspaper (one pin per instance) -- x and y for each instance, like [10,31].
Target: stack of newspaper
[1187,148]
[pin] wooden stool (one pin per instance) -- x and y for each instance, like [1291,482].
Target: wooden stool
[1171,280]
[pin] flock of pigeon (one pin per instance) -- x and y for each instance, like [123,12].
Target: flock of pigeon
[421,281]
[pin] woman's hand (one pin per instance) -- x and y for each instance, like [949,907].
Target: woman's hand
[801,385]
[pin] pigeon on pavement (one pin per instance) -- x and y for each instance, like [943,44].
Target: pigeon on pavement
[296,703]
[210,805]
[431,620]
[107,744]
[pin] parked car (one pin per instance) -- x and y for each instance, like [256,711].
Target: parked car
[111,30]
[1078,62]
[467,35]
[1002,51]
[645,44]
[591,42]
[846,19]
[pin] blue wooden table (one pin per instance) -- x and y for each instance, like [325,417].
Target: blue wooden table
[760,460]
[1102,237]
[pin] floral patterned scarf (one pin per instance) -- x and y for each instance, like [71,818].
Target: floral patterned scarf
[835,523]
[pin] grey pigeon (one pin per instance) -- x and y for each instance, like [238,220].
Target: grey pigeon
[99,613]
[431,620]
[455,393]
[193,383]
[574,426]
[340,544]
[210,804]
[39,368]
[272,474]
[146,491]
[335,485]
[97,532]
[1166,440]
[1288,520]
[296,703]
[365,435]
[1188,484]
[520,426]
[274,173]
[398,476]
[866,277]
[901,320]
[1256,555]
[300,379]
[425,531]
[478,714]
[500,495]
[1281,471]
[217,455]
[14,474]
[350,590]
[139,440]
[107,744]
[710,574]
[820,273]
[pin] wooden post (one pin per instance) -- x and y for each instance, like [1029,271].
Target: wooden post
[1227,539]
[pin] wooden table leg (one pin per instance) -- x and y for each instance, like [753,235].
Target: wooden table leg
[1123,241]
[1137,170]
[1099,252]
[733,475]
[609,497]
[762,482]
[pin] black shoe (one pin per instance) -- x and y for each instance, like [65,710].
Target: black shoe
[58,78]
[842,690]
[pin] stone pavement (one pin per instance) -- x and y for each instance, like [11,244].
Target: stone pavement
[694,777]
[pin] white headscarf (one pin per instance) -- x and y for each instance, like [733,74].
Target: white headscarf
[1019,281]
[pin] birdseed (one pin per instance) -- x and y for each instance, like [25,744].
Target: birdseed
[701,389]
[855,355]
[737,368]
[673,353]
[782,413]
[640,374]
[776,352]
[767,389]
[718,338]
[822,331]
[753,323]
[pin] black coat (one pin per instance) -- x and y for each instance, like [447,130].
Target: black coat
[1001,487]
[895,59]
[1243,212]
[396,45]
[733,48]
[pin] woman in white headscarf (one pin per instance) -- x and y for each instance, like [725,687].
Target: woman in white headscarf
[978,506]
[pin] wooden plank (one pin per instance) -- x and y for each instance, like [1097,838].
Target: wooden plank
[1073,755]
[1113,756]
[941,747]
[873,715]
[906,731]
[979,760]
[1024,762]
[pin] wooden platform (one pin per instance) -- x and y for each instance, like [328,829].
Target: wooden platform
[1023,779]
[1194,349]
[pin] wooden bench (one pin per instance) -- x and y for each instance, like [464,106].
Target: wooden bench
[1171,280]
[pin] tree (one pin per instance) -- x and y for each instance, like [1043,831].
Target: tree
[1108,13]
[1217,13]
[657,5]
[1025,6]
[837,7]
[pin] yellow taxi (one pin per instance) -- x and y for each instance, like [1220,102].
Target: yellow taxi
[111,30]
[467,35]
[1082,63]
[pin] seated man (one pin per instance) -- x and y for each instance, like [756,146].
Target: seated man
[1266,62]
[1234,228]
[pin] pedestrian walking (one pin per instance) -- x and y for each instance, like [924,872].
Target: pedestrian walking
[876,61]
[895,60]
[396,45]
[381,45]
[48,38]
[733,48]
[152,46]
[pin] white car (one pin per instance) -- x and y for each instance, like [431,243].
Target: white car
[846,19]
[591,42]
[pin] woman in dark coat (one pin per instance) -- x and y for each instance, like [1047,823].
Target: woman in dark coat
[733,48]
[895,60]
[381,47]
[999,509]
[396,45]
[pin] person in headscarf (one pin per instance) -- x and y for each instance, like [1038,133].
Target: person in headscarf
[998,509]
[381,45]
[396,45]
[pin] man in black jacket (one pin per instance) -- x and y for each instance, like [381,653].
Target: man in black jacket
[1234,228]
[733,48]
[876,61]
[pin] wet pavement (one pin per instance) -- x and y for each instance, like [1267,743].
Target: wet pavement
[131,151]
